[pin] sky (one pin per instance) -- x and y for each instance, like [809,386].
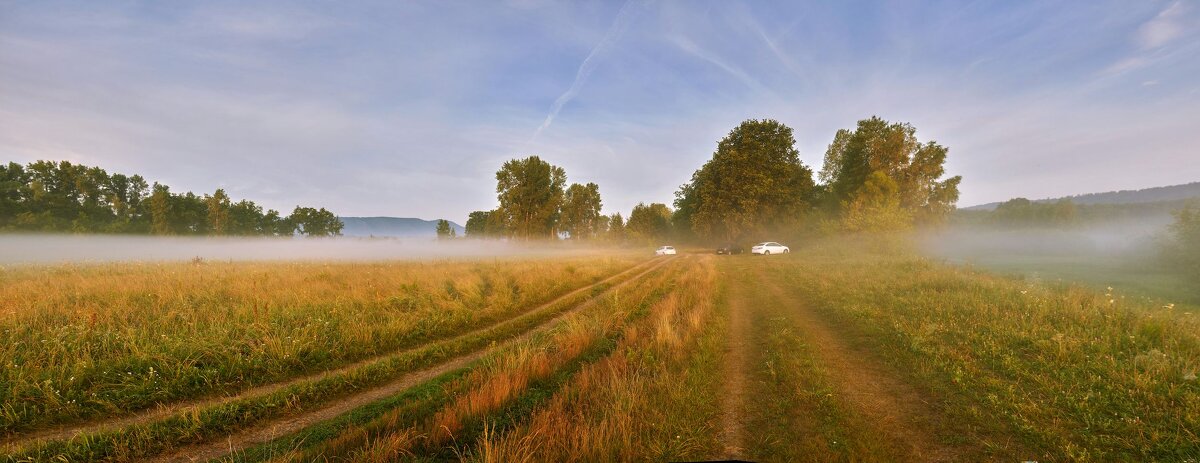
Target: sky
[408,108]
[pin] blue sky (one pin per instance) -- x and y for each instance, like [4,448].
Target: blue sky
[408,108]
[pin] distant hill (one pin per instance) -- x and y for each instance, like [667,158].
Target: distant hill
[403,227]
[1148,195]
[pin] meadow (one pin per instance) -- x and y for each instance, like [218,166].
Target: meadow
[843,350]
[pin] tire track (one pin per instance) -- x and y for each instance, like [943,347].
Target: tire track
[266,432]
[15,442]
[734,369]
[888,407]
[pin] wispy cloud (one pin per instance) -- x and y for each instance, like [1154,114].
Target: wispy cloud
[1154,39]
[1163,28]
[691,48]
[618,28]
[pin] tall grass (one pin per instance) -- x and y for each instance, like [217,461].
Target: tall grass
[496,384]
[1080,374]
[653,398]
[88,341]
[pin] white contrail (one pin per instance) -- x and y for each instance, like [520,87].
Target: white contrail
[619,25]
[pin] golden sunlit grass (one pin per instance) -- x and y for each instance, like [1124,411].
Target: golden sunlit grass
[495,383]
[1023,369]
[652,398]
[84,341]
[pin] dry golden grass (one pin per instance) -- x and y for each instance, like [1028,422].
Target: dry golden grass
[495,383]
[652,399]
[84,341]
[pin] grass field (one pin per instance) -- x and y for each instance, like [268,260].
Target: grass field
[840,351]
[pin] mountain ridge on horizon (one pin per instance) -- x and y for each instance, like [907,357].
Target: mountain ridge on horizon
[1144,195]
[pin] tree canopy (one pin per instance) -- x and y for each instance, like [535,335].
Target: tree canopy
[530,192]
[581,217]
[444,230]
[754,181]
[649,223]
[877,149]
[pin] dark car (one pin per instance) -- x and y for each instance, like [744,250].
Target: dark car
[729,249]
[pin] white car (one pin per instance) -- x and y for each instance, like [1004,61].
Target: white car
[768,248]
[665,251]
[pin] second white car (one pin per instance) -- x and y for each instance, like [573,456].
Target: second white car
[665,251]
[768,248]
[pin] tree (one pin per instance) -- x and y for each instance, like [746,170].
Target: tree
[530,191]
[616,228]
[754,181]
[160,210]
[245,219]
[315,222]
[444,230]
[476,226]
[876,207]
[218,212]
[581,211]
[892,150]
[14,192]
[649,223]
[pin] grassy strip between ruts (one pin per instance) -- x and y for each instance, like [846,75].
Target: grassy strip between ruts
[557,353]
[801,421]
[1080,375]
[97,341]
[192,426]
[656,397]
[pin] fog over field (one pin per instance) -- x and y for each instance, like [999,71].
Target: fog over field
[51,249]
[1129,238]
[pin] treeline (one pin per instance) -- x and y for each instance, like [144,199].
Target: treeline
[876,177]
[1065,213]
[47,196]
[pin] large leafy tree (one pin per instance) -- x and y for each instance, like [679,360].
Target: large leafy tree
[530,191]
[878,147]
[315,222]
[649,222]
[754,181]
[581,217]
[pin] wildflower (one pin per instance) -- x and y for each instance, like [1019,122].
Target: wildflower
[1023,291]
[1112,301]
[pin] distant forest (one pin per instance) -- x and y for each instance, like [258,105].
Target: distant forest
[48,196]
